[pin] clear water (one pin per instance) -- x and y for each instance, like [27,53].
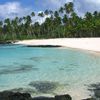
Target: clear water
[71,70]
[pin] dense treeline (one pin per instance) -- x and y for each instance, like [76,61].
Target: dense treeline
[61,23]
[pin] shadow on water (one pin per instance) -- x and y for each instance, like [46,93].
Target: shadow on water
[70,67]
[44,46]
[36,59]
[21,69]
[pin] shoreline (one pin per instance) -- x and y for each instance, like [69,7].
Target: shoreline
[89,44]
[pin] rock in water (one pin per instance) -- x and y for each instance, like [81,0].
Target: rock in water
[43,98]
[44,87]
[7,95]
[63,97]
[89,99]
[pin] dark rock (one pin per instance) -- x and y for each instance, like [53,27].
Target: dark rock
[43,98]
[89,99]
[44,46]
[8,95]
[63,97]
[95,88]
[97,93]
[5,42]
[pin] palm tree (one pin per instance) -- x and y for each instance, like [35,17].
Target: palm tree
[41,14]
[56,14]
[61,10]
[69,7]
[32,14]
[65,19]
[88,16]
[8,29]
[14,25]
[50,12]
[46,12]
[36,29]
[1,32]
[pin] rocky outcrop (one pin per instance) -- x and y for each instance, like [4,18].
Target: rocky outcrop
[6,42]
[8,95]
[63,97]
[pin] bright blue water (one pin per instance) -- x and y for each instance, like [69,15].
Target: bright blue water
[73,70]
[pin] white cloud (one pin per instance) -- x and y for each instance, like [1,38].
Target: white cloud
[58,3]
[52,4]
[83,6]
[93,1]
[12,9]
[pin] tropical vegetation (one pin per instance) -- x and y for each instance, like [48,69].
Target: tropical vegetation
[64,22]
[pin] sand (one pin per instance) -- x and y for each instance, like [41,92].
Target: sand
[92,44]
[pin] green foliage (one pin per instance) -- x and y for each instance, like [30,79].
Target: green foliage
[60,24]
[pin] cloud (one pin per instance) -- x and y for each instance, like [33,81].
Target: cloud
[13,9]
[93,1]
[83,6]
[50,4]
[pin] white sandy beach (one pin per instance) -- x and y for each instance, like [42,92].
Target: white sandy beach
[92,44]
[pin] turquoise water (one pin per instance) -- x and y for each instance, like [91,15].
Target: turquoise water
[70,71]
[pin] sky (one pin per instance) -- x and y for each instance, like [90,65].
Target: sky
[12,8]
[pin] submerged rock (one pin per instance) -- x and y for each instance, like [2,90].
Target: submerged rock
[22,68]
[44,87]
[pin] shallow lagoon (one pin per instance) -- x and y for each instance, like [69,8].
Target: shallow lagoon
[48,71]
